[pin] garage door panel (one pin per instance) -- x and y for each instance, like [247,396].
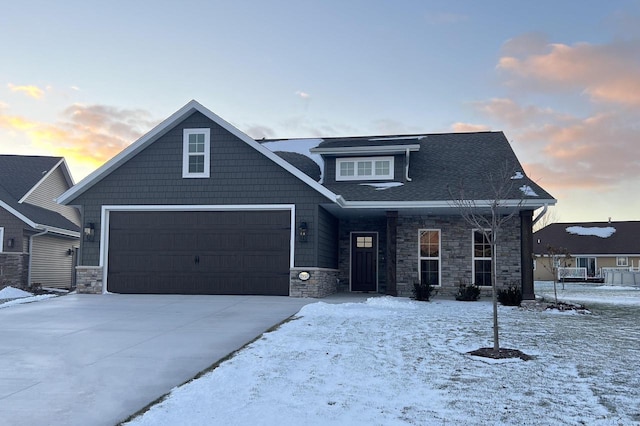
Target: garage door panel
[199,252]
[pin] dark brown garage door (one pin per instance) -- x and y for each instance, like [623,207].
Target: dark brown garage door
[239,252]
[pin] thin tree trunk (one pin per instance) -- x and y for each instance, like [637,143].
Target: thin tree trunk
[494,278]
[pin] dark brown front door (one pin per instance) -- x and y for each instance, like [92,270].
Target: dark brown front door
[199,252]
[364,262]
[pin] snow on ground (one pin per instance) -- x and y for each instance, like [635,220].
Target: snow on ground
[394,361]
[15,296]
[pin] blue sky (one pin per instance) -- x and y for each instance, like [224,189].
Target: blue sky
[83,79]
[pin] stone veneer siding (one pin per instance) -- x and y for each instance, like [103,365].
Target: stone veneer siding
[322,282]
[456,255]
[89,279]
[14,269]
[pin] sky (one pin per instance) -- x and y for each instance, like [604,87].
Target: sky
[84,79]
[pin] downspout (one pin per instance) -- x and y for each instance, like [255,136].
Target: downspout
[542,213]
[46,231]
[406,166]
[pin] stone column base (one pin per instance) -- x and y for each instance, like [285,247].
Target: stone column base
[89,279]
[321,283]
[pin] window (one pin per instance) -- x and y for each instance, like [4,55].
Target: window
[588,263]
[481,259]
[622,261]
[365,168]
[195,153]
[364,242]
[429,241]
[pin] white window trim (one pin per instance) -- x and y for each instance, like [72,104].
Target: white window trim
[185,152]
[618,258]
[439,258]
[474,258]
[356,160]
[1,239]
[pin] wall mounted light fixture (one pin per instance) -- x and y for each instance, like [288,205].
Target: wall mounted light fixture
[89,231]
[11,242]
[302,231]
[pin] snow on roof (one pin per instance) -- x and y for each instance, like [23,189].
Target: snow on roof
[597,231]
[517,175]
[301,146]
[381,186]
[527,190]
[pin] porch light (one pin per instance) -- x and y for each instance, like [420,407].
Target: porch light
[11,242]
[302,231]
[89,231]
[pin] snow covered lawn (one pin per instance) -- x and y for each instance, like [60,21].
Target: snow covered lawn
[393,361]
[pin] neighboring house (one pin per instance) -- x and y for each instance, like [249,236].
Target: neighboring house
[591,249]
[38,237]
[197,206]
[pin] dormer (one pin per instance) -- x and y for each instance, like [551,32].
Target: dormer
[367,159]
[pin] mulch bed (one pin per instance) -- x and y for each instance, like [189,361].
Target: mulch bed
[501,353]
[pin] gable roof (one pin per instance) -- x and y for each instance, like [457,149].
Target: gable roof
[437,163]
[20,175]
[592,238]
[163,128]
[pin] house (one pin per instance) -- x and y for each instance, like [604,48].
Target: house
[196,206]
[38,237]
[587,250]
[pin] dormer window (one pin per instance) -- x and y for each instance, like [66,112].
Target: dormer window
[196,147]
[364,168]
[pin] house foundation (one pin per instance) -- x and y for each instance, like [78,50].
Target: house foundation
[320,282]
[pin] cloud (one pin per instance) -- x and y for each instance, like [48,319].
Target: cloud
[302,95]
[32,91]
[468,127]
[260,132]
[608,73]
[85,134]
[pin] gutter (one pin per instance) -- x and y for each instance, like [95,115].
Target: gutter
[406,166]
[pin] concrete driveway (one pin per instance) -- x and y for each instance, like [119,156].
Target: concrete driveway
[96,359]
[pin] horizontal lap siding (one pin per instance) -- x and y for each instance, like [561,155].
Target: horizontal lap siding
[51,265]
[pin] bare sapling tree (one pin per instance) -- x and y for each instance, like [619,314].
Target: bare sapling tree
[504,195]
[551,261]
[547,219]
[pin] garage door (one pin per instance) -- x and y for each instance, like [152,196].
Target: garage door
[239,252]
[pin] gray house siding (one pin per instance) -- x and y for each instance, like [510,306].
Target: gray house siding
[327,239]
[13,228]
[45,193]
[239,175]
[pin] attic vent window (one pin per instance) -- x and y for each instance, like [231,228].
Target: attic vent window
[364,168]
[196,147]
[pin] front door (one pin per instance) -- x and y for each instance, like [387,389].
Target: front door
[364,261]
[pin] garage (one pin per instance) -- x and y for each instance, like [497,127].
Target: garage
[199,252]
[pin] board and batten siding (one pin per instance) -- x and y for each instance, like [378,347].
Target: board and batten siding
[45,193]
[51,265]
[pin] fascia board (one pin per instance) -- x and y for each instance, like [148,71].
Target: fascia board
[165,126]
[18,214]
[46,175]
[399,149]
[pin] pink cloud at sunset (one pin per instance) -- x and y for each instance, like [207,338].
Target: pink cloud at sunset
[86,135]
[606,72]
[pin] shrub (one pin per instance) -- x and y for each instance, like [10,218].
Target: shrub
[468,292]
[422,291]
[511,296]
